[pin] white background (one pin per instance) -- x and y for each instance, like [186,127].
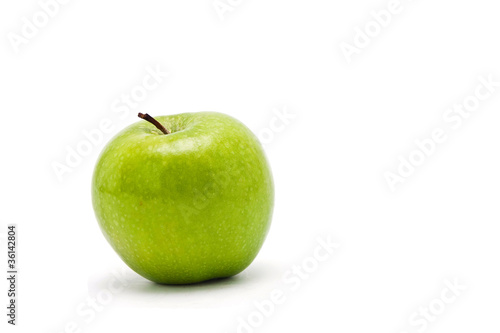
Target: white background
[352,122]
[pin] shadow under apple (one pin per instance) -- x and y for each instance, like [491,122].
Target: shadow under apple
[131,290]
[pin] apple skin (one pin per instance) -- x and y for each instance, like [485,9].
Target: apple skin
[186,207]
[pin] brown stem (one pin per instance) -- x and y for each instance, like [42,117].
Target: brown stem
[153,121]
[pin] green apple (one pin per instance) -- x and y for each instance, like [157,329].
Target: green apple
[184,198]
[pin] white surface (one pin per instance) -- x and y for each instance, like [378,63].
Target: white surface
[352,122]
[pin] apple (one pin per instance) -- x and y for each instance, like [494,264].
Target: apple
[184,198]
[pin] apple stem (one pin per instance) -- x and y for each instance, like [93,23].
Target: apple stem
[153,121]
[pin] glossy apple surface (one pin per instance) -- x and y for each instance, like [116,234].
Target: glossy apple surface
[189,206]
